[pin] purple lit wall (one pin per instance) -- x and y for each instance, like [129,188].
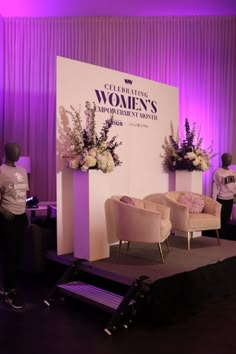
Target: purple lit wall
[195,54]
[1,84]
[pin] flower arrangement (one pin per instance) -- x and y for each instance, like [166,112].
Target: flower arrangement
[186,153]
[87,150]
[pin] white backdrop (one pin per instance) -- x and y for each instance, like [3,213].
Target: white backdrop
[143,110]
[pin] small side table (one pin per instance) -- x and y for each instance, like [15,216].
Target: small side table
[33,211]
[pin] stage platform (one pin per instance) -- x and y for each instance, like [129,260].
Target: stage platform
[182,285]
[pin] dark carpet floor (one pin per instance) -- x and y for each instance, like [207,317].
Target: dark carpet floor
[144,259]
[74,327]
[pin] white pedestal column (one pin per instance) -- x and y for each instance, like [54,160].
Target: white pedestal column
[188,181]
[91,189]
[185,181]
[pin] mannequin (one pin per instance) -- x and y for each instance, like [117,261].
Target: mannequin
[13,221]
[224,189]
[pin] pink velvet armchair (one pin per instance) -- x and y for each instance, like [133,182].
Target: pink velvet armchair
[142,222]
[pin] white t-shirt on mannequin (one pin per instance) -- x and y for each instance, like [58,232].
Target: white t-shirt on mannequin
[13,188]
[224,184]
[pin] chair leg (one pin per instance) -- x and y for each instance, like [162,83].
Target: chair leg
[128,244]
[189,238]
[218,237]
[119,248]
[160,250]
[167,245]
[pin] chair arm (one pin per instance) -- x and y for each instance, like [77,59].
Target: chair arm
[155,198]
[162,209]
[179,214]
[211,206]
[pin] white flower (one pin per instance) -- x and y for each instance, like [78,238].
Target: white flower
[84,168]
[204,165]
[190,155]
[106,162]
[93,152]
[73,163]
[72,148]
[197,161]
[185,153]
[90,161]
[87,149]
[103,147]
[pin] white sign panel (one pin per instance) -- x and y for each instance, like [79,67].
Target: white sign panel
[142,110]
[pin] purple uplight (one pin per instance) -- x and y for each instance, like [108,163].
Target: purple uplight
[44,8]
[14,8]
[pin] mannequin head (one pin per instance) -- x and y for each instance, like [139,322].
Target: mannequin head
[226,159]
[12,153]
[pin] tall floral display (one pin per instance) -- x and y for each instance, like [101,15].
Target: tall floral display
[88,150]
[186,153]
[183,155]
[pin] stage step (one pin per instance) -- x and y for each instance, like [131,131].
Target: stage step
[90,293]
[99,291]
